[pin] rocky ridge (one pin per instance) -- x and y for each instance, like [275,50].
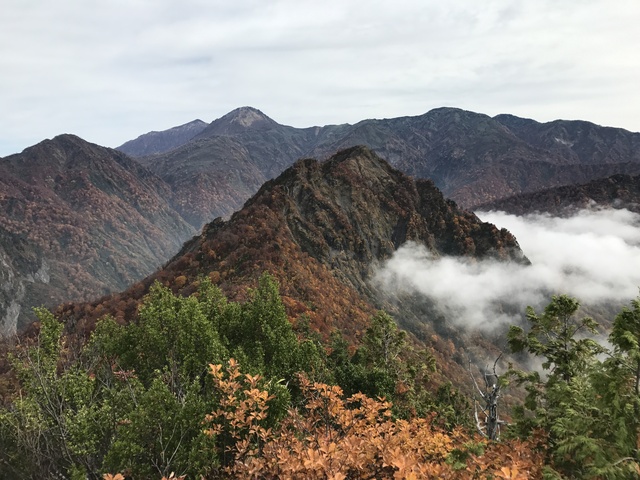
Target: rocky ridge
[617,191]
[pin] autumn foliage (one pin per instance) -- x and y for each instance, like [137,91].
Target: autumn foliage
[332,437]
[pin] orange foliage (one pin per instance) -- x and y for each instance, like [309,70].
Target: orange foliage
[337,438]
[214,277]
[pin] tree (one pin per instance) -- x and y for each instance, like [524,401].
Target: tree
[583,404]
[489,426]
[553,336]
[259,334]
[618,385]
[61,422]
[173,334]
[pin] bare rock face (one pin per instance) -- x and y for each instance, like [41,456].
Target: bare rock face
[22,266]
[238,121]
[78,221]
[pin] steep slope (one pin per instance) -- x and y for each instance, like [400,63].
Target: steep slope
[209,178]
[322,229]
[471,157]
[617,191]
[80,221]
[23,268]
[164,141]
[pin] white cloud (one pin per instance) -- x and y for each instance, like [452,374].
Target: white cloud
[110,71]
[593,256]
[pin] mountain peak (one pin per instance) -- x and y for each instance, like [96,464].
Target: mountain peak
[321,228]
[61,149]
[238,121]
[246,116]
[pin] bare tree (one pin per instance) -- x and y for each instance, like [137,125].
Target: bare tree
[487,406]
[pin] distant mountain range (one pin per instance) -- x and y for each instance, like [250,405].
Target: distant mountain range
[79,220]
[471,158]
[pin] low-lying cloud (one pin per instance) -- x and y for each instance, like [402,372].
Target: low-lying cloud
[593,255]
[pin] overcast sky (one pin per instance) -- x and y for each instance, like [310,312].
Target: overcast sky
[111,70]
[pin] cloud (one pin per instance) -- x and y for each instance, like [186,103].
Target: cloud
[592,256]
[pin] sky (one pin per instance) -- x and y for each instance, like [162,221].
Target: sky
[111,70]
[592,256]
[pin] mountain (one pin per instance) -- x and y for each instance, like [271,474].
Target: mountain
[617,191]
[209,178]
[239,121]
[472,158]
[93,215]
[323,229]
[78,221]
[159,142]
[216,172]
[577,141]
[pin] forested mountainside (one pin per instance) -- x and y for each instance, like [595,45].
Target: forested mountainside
[472,158]
[79,221]
[617,191]
[321,229]
[191,374]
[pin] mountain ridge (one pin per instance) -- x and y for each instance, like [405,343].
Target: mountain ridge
[617,191]
[160,141]
[473,158]
[470,157]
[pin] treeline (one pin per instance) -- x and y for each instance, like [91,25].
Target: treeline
[202,387]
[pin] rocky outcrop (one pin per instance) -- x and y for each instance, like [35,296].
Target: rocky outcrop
[22,268]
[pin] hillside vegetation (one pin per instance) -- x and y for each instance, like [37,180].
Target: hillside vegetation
[201,386]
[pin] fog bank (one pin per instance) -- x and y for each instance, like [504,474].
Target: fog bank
[593,256]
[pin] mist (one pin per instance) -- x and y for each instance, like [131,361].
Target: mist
[593,256]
